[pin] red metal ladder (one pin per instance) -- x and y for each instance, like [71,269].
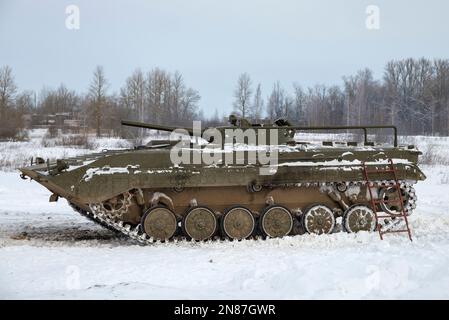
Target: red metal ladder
[374,201]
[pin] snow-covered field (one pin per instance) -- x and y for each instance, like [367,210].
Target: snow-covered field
[14,154]
[48,251]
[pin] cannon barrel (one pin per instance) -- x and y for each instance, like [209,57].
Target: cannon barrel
[137,124]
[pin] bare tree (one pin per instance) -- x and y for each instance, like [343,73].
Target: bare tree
[189,103]
[299,105]
[7,90]
[133,95]
[157,81]
[410,91]
[440,101]
[242,95]
[177,91]
[276,102]
[258,104]
[168,98]
[25,102]
[335,102]
[66,100]
[359,90]
[97,94]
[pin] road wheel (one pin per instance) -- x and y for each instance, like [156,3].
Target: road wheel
[359,218]
[159,223]
[319,219]
[238,223]
[200,223]
[276,221]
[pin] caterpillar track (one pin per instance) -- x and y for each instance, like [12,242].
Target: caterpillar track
[136,232]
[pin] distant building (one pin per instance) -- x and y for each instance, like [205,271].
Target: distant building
[63,120]
[27,120]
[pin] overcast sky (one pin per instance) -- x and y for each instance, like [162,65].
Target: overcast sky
[212,42]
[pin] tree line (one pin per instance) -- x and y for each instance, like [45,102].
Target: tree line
[156,96]
[413,94]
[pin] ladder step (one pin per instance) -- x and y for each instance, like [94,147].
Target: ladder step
[385,201]
[372,186]
[393,231]
[386,217]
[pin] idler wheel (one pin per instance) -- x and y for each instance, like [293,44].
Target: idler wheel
[159,223]
[200,223]
[276,221]
[359,218]
[392,204]
[238,223]
[319,219]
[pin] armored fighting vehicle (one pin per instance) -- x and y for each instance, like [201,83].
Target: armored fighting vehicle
[149,195]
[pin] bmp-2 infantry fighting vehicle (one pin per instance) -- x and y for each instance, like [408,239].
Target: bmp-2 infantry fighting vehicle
[144,194]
